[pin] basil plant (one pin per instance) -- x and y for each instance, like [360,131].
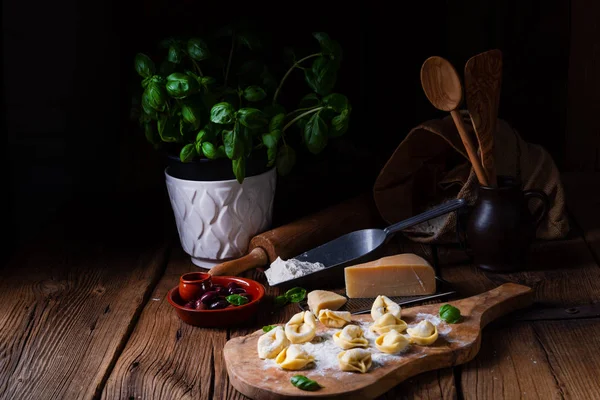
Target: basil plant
[203,116]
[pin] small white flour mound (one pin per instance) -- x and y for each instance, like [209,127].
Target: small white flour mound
[284,270]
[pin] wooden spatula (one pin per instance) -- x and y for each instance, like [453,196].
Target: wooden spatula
[456,344]
[483,78]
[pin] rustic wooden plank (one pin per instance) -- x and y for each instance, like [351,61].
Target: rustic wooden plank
[432,385]
[164,357]
[69,301]
[583,137]
[571,348]
[511,364]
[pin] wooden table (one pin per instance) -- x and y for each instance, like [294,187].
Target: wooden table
[83,314]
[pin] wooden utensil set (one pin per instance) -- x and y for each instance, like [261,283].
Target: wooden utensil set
[483,78]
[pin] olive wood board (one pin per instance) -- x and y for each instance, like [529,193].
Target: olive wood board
[459,345]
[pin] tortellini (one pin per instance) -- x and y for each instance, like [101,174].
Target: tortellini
[383,305]
[391,342]
[294,358]
[386,323]
[355,360]
[424,333]
[349,337]
[301,327]
[272,343]
[334,319]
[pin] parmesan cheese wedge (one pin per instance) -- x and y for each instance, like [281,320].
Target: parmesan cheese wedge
[398,275]
[323,300]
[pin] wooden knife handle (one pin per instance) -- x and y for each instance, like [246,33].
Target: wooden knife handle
[256,258]
[290,240]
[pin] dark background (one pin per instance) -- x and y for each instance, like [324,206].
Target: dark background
[68,71]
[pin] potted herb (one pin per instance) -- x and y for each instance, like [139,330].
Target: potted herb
[227,137]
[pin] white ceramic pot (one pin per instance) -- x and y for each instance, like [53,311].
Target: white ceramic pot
[217,219]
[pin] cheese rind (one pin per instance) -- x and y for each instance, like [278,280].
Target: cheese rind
[398,275]
[324,300]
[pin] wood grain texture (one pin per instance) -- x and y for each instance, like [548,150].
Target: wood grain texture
[164,357]
[483,79]
[460,345]
[432,385]
[69,302]
[571,348]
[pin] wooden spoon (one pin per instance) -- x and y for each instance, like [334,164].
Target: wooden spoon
[483,77]
[443,89]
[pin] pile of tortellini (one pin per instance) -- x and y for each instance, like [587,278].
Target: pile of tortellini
[284,343]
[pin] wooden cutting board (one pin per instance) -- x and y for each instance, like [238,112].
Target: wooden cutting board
[457,344]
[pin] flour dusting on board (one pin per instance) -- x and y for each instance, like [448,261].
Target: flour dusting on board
[285,270]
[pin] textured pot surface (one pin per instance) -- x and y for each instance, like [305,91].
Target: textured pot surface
[217,219]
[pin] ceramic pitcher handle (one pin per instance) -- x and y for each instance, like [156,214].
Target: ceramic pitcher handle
[543,197]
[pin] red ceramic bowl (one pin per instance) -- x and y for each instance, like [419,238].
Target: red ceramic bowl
[224,317]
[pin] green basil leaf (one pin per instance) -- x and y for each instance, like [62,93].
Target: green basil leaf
[168,129]
[254,93]
[276,122]
[252,118]
[144,66]
[236,299]
[315,134]
[270,139]
[209,150]
[304,383]
[295,295]
[191,115]
[197,49]
[233,142]
[151,133]
[221,152]
[281,301]
[187,153]
[222,113]
[337,101]
[239,169]
[321,76]
[268,328]
[228,143]
[273,109]
[175,54]
[286,158]
[149,112]
[199,150]
[339,124]
[180,85]
[155,97]
[449,313]
[145,82]
[329,46]
[208,81]
[310,100]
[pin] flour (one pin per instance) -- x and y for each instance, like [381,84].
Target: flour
[284,270]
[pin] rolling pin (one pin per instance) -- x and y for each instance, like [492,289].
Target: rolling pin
[290,240]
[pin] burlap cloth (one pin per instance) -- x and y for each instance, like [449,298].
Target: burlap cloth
[431,166]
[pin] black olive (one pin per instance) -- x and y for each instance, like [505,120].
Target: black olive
[219,304]
[237,291]
[232,285]
[221,291]
[208,297]
[202,306]
[190,304]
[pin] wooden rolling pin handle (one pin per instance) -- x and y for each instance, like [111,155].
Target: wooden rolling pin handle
[471,150]
[256,258]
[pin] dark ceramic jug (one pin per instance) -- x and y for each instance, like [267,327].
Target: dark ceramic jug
[501,228]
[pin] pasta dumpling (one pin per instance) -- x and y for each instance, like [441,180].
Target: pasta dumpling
[349,337]
[424,333]
[355,360]
[384,305]
[301,327]
[386,323]
[294,358]
[391,342]
[272,343]
[334,319]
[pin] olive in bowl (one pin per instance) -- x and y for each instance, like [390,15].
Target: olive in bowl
[230,301]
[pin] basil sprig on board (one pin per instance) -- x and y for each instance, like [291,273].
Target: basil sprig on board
[183,103]
[304,383]
[236,299]
[294,295]
[268,328]
[449,313]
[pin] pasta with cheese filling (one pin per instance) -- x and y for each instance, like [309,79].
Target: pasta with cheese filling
[334,319]
[384,305]
[391,342]
[294,358]
[355,360]
[301,327]
[386,323]
[349,337]
[272,343]
[424,333]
